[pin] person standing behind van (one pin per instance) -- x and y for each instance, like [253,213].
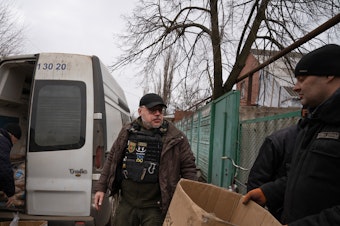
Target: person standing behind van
[9,135]
[145,163]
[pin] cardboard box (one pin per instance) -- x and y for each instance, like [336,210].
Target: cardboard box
[197,204]
[26,223]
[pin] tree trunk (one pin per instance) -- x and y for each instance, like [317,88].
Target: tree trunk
[241,59]
[216,45]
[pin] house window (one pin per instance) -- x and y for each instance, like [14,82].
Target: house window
[243,90]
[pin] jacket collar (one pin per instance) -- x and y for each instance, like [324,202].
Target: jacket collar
[329,110]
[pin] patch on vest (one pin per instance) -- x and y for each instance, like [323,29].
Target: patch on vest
[131,146]
[140,152]
[328,135]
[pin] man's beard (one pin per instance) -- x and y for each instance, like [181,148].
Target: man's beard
[149,125]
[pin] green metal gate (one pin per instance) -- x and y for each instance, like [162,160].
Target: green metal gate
[212,132]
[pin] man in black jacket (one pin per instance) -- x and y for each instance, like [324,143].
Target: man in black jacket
[273,161]
[311,191]
[9,135]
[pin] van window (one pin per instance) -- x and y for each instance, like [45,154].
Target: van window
[58,119]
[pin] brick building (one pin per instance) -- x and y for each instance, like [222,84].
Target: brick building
[271,86]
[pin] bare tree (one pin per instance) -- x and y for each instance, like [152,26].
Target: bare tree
[214,37]
[11,36]
[168,76]
[162,80]
[279,23]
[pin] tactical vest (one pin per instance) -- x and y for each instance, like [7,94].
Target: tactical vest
[143,152]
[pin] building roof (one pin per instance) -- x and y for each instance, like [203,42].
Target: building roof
[282,69]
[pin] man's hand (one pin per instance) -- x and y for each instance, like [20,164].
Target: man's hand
[10,202]
[98,199]
[256,195]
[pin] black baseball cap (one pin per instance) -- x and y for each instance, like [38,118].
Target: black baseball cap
[151,100]
[324,61]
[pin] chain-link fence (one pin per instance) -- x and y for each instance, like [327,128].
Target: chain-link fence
[252,135]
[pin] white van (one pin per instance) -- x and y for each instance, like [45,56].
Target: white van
[70,109]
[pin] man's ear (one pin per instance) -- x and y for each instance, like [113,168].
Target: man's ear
[330,77]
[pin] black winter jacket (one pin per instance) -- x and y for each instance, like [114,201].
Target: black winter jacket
[6,172]
[273,161]
[312,194]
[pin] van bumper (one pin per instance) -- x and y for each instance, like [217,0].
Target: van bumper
[52,220]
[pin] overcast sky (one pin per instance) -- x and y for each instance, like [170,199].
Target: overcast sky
[78,26]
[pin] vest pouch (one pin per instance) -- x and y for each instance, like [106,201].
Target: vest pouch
[141,172]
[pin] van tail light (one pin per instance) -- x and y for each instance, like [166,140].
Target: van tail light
[79,223]
[98,159]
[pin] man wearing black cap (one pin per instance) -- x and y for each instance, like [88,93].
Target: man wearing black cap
[311,192]
[9,135]
[145,163]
